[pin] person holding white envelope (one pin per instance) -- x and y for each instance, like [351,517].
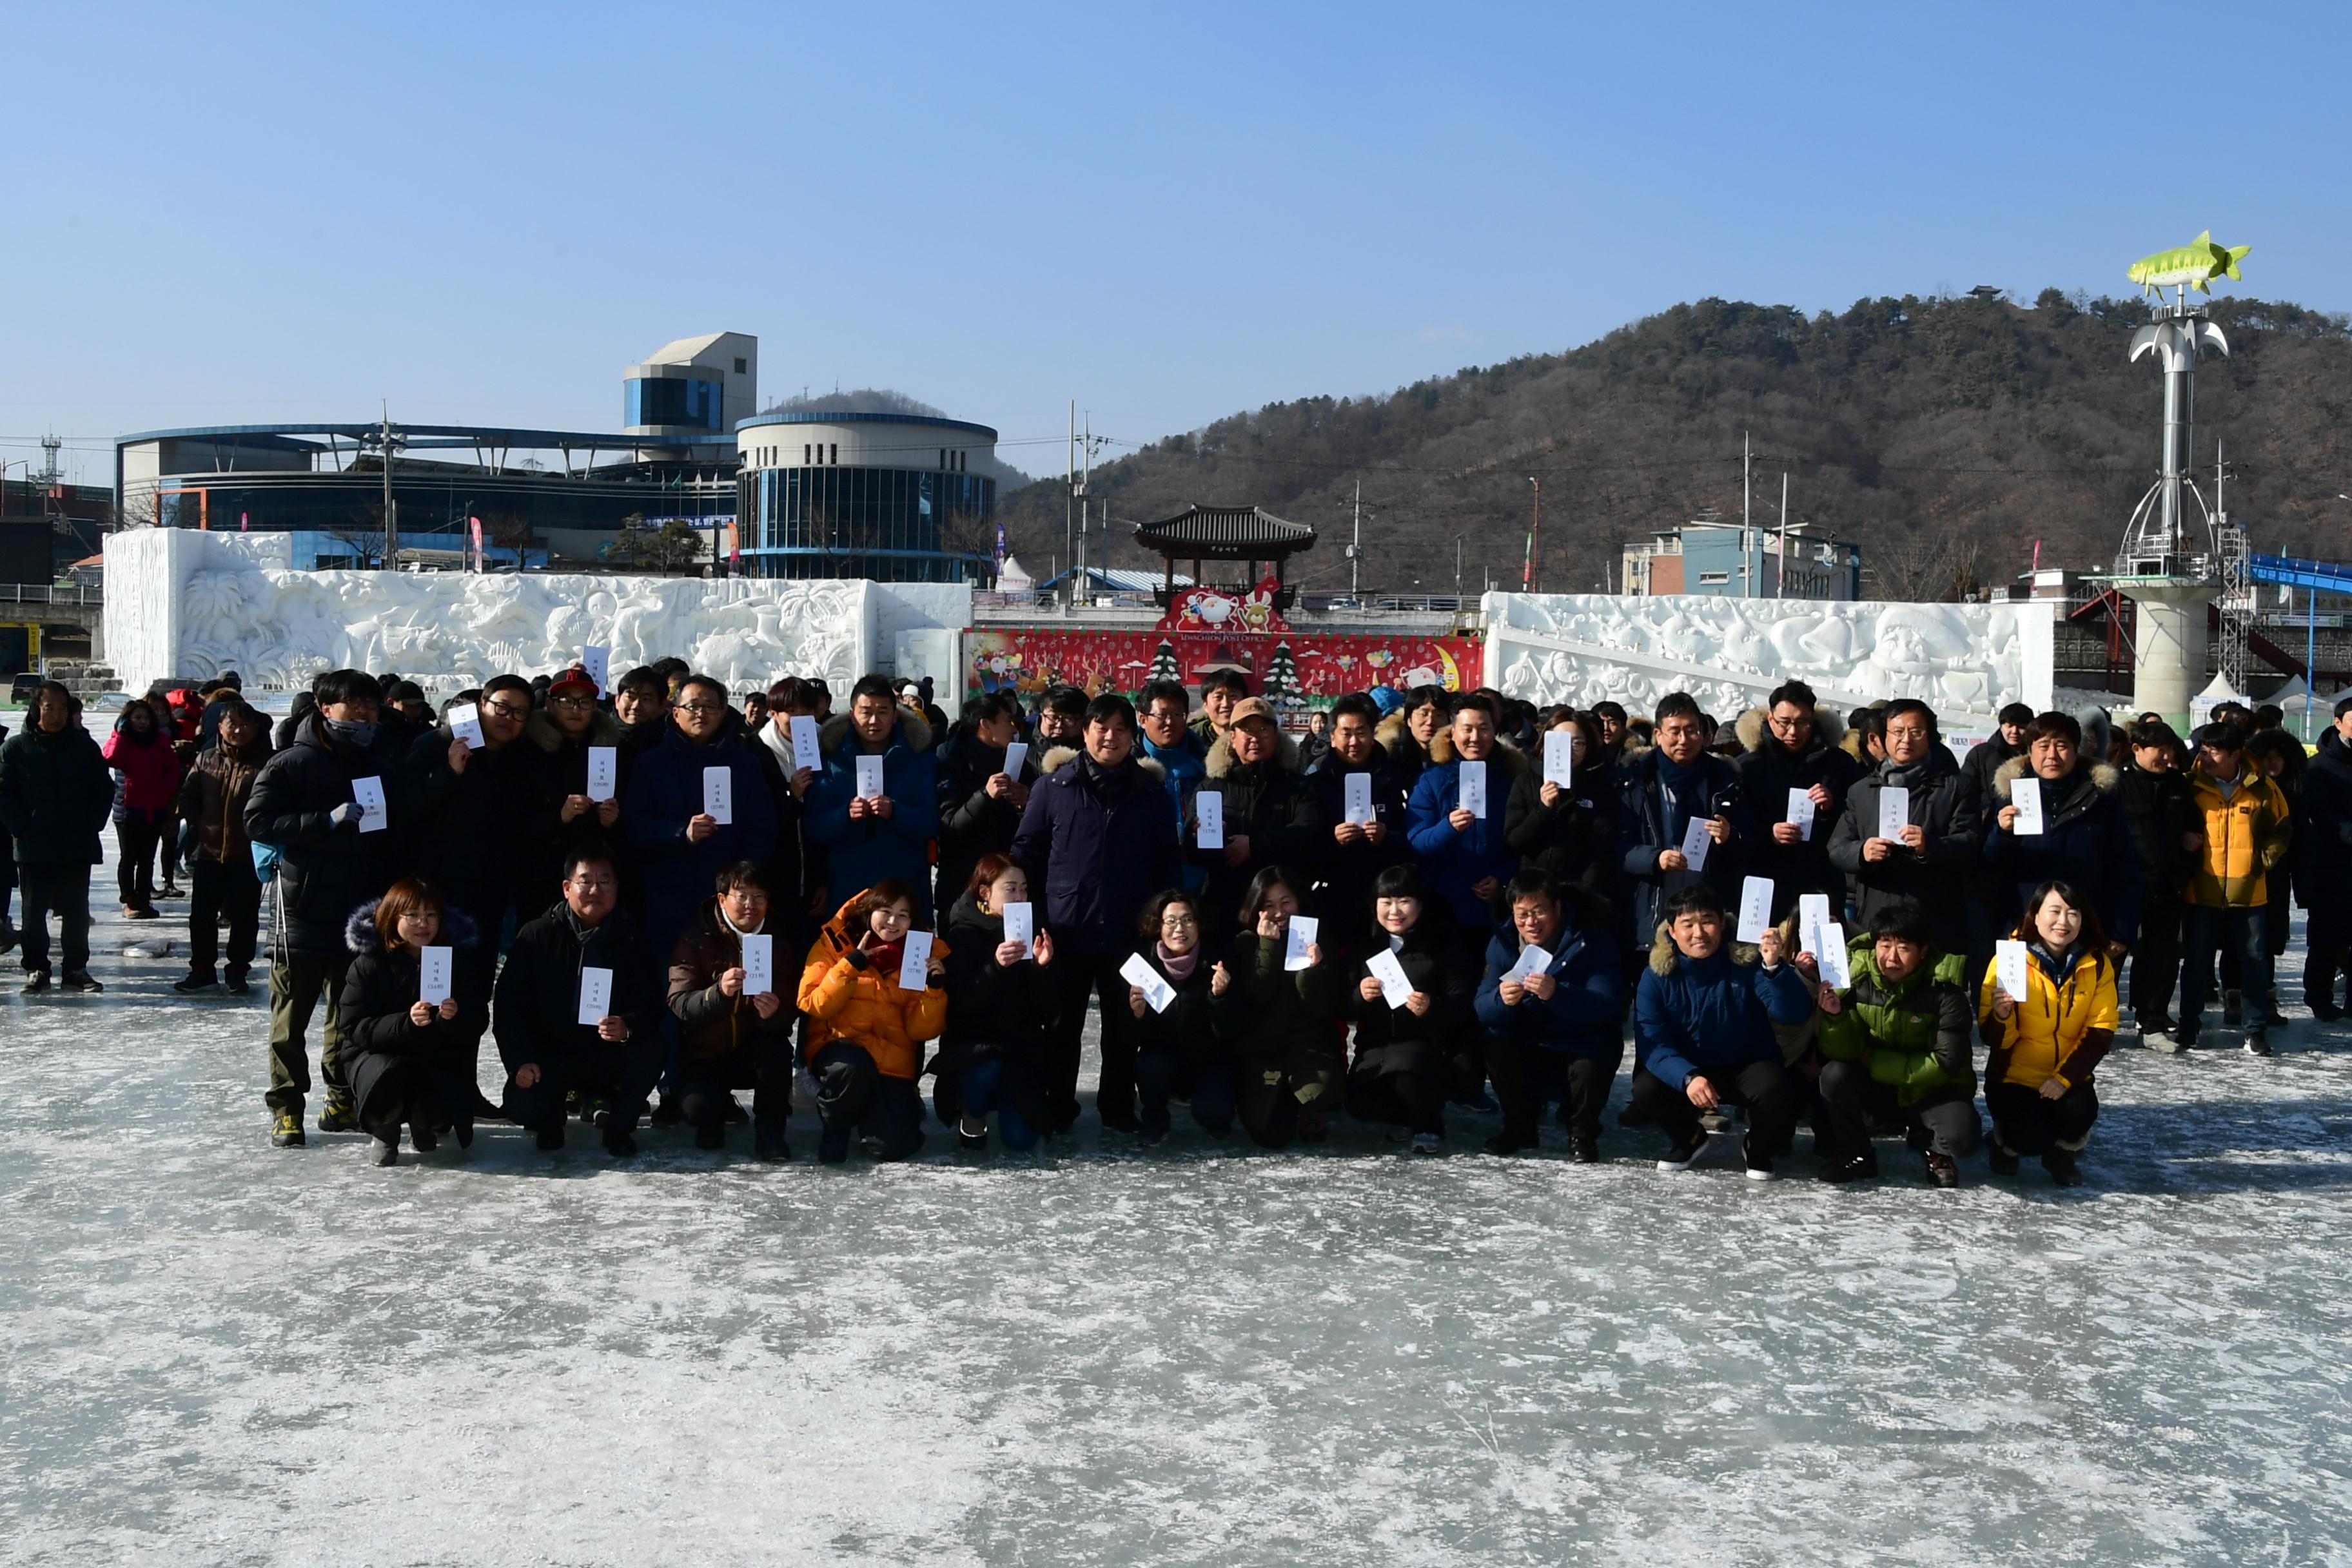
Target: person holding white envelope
[483,824]
[1465,857]
[1357,846]
[1284,1023]
[1567,831]
[1271,814]
[1661,793]
[410,1060]
[535,1012]
[980,803]
[1927,861]
[565,731]
[1553,1003]
[1896,1048]
[2043,1047]
[867,1029]
[2085,837]
[1792,751]
[1405,1044]
[871,835]
[1002,995]
[731,1036]
[680,846]
[1180,1048]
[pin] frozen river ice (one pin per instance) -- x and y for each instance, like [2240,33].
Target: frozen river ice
[221,1352]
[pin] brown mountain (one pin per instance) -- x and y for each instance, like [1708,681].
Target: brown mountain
[1944,435]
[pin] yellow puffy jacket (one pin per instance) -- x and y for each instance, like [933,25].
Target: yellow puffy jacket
[2245,836]
[846,998]
[2062,1030]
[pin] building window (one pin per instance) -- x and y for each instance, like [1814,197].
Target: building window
[836,453]
[1707,578]
[742,367]
[805,454]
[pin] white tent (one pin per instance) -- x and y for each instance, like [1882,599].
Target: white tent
[1014,577]
[2289,695]
[2201,706]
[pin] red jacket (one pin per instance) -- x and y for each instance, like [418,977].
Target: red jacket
[150,773]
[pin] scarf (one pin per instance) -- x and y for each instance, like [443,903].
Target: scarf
[1180,970]
[887,957]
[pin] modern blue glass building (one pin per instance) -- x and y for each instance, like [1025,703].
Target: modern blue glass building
[888,497]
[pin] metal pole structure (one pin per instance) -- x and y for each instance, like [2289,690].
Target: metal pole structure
[2310,655]
[1780,578]
[1457,571]
[1748,578]
[1069,505]
[391,515]
[1528,576]
[1356,548]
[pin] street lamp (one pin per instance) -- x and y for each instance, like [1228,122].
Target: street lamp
[1528,574]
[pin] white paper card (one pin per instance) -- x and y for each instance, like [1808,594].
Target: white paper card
[1015,753]
[604,773]
[369,794]
[804,752]
[1696,842]
[915,969]
[1559,757]
[1533,960]
[1813,921]
[1021,924]
[1302,937]
[719,795]
[1359,788]
[1395,989]
[595,996]
[1471,794]
[1754,908]
[1893,812]
[2025,794]
[1801,812]
[1138,971]
[869,779]
[596,663]
[2009,969]
[758,963]
[432,966]
[466,723]
[1209,820]
[1830,957]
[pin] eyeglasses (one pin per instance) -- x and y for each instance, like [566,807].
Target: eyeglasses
[572,703]
[704,708]
[507,711]
[1173,918]
[592,884]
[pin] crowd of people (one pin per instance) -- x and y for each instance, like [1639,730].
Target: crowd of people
[1431,903]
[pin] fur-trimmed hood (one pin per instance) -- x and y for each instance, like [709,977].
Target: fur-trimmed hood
[1666,957]
[1394,731]
[457,929]
[1221,755]
[913,729]
[1754,731]
[541,731]
[2106,778]
[1061,757]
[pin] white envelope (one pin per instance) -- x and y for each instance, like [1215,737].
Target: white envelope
[1138,971]
[596,663]
[719,795]
[604,773]
[1801,812]
[1471,791]
[1021,924]
[369,794]
[1533,960]
[1359,788]
[1893,812]
[1754,908]
[1559,757]
[2010,969]
[758,963]
[466,723]
[1209,820]
[2025,794]
[595,994]
[433,966]
[1831,956]
[1015,753]
[915,969]
[869,779]
[805,749]
[1302,937]
[1395,989]
[1812,917]
[1696,842]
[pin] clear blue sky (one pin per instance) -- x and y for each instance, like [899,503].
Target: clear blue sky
[249,213]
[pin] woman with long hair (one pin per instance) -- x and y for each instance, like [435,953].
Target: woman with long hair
[410,1060]
[1284,1022]
[867,1032]
[147,789]
[2046,1043]
[1002,999]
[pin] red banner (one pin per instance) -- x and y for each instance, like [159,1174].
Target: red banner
[1303,669]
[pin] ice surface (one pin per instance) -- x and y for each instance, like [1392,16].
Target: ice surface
[221,1352]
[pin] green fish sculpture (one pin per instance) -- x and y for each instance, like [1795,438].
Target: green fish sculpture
[2195,263]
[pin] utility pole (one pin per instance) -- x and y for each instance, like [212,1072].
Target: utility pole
[1780,581]
[387,442]
[1070,506]
[1457,572]
[1355,550]
[1528,576]
[1747,576]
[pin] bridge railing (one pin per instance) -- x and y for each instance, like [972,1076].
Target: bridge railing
[50,593]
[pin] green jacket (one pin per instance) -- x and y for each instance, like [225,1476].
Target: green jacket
[1917,1037]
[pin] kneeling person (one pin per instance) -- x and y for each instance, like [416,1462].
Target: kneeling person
[408,1060]
[731,1038]
[1402,1052]
[867,1031]
[1702,1036]
[1897,1045]
[1557,1034]
[548,1051]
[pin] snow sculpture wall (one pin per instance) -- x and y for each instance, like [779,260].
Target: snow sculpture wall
[186,603]
[1963,660]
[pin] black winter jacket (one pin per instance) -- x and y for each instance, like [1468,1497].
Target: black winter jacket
[1768,772]
[1096,844]
[2327,812]
[1393,1039]
[56,795]
[1348,870]
[1193,1030]
[1272,805]
[2161,814]
[1945,805]
[1647,826]
[2086,839]
[324,870]
[537,1009]
[1574,839]
[972,823]
[995,1011]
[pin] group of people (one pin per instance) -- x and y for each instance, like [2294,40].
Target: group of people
[653,900]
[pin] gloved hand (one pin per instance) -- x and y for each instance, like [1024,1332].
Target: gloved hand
[344,815]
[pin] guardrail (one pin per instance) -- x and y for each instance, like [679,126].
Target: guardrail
[50,593]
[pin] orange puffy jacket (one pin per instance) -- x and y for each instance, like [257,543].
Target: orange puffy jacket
[853,1001]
